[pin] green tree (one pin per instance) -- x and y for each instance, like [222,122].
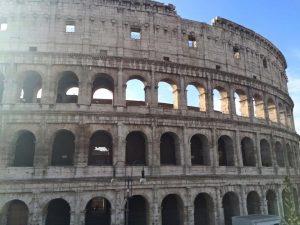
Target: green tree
[290,215]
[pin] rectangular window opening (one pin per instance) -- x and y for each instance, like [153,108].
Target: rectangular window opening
[70,27]
[33,49]
[135,33]
[3,26]
[192,42]
[166,59]
[236,53]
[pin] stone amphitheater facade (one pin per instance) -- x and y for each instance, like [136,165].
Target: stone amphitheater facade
[203,163]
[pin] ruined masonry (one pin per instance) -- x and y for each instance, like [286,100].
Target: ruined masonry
[88,135]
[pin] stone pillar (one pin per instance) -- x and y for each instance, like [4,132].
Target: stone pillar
[155,151]
[264,203]
[42,150]
[250,105]
[120,90]
[36,211]
[280,203]
[243,200]
[156,208]
[238,158]
[119,153]
[48,88]
[12,86]
[185,149]
[85,88]
[189,209]
[182,104]
[81,146]
[209,97]
[154,89]
[214,156]
[78,211]
[258,152]
[231,101]
[148,97]
[219,208]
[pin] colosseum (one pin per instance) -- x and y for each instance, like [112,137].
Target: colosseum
[77,148]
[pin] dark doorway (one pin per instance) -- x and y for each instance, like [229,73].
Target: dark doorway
[253,203]
[272,203]
[225,151]
[265,153]
[199,150]
[231,207]
[204,210]
[25,148]
[63,148]
[32,83]
[17,213]
[135,148]
[58,212]
[100,151]
[137,211]
[279,154]
[67,90]
[168,149]
[97,212]
[172,210]
[248,153]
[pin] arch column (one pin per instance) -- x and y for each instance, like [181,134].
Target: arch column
[231,102]
[258,150]
[48,88]
[219,207]
[153,89]
[214,153]
[85,88]
[243,200]
[182,97]
[11,94]
[238,155]
[264,202]
[189,209]
[250,104]
[148,97]
[36,215]
[209,98]
[185,149]
[120,90]
[81,146]
[156,216]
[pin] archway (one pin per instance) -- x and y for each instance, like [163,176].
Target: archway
[231,207]
[168,94]
[196,97]
[225,151]
[265,153]
[136,148]
[138,211]
[24,149]
[98,212]
[16,213]
[241,103]
[32,83]
[58,212]
[253,203]
[248,153]
[103,89]
[220,100]
[259,108]
[172,210]
[135,92]
[199,150]
[279,154]
[169,152]
[272,202]
[203,210]
[67,89]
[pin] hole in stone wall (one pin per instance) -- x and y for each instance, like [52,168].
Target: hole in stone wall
[231,208]
[253,203]
[172,210]
[67,90]
[167,94]
[103,89]
[199,150]
[136,148]
[58,212]
[248,153]
[98,209]
[135,92]
[32,83]
[169,149]
[24,149]
[265,152]
[225,151]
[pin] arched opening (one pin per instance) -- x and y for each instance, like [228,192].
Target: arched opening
[24,149]
[137,211]
[253,203]
[290,155]
[168,94]
[136,148]
[225,151]
[203,210]
[231,208]
[220,100]
[296,200]
[16,213]
[265,153]
[258,104]
[172,210]
[284,197]
[103,89]
[289,117]
[272,202]
[169,149]
[199,150]
[1,87]
[279,154]
[100,151]
[32,83]
[196,99]
[67,90]
[63,149]
[58,212]
[135,92]
[248,153]
[282,117]
[241,103]
[98,212]
[272,111]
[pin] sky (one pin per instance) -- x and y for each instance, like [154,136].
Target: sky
[276,20]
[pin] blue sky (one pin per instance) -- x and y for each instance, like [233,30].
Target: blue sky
[277,20]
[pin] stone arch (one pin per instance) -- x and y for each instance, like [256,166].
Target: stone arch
[199,150]
[241,103]
[272,111]
[225,151]
[259,106]
[58,212]
[63,148]
[230,203]
[279,154]
[102,89]
[172,210]
[1,87]
[166,89]
[169,149]
[248,152]
[24,149]
[272,202]
[290,155]
[196,97]
[138,211]
[31,85]
[253,203]
[265,153]
[101,149]
[98,209]
[203,210]
[289,117]
[221,100]
[136,148]
[282,114]
[14,212]
[135,91]
[67,88]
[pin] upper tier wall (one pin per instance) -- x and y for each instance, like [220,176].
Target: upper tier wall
[103,27]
